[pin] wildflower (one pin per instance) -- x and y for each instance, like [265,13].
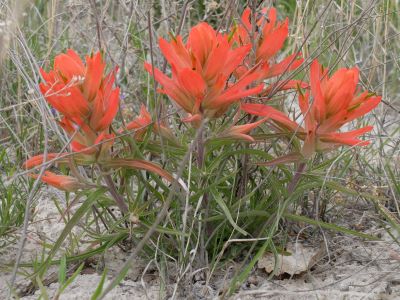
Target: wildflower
[39,159]
[241,132]
[86,98]
[336,101]
[269,39]
[85,140]
[62,182]
[83,95]
[141,123]
[200,73]
[139,164]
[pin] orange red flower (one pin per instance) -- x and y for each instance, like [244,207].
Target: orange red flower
[61,182]
[269,39]
[39,159]
[201,70]
[336,101]
[140,123]
[84,95]
[241,132]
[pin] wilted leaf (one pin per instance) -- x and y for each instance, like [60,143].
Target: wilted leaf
[139,165]
[285,159]
[301,259]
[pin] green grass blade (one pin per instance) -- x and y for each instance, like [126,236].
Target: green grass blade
[81,211]
[62,271]
[226,211]
[99,288]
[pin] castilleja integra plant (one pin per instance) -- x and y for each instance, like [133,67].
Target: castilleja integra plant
[336,101]
[88,102]
[268,40]
[201,70]
[220,85]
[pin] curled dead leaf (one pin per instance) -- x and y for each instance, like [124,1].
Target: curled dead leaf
[302,258]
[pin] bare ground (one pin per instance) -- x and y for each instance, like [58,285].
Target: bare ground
[350,268]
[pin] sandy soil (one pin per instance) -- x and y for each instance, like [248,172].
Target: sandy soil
[351,269]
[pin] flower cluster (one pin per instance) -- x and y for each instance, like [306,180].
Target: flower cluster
[209,73]
[84,96]
[88,101]
[200,73]
[336,102]
[268,40]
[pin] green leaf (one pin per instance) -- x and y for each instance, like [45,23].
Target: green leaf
[139,164]
[285,159]
[71,279]
[99,288]
[62,271]
[240,278]
[330,226]
[298,218]
[225,155]
[80,212]
[120,276]
[226,211]
[43,291]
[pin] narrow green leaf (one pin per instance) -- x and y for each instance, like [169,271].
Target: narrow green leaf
[43,291]
[297,218]
[99,288]
[329,226]
[237,280]
[120,276]
[285,159]
[226,211]
[62,271]
[80,212]
[71,279]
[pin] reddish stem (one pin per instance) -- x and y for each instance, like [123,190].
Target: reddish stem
[295,180]
[117,197]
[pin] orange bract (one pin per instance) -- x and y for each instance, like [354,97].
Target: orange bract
[39,159]
[335,103]
[62,182]
[200,73]
[269,39]
[140,123]
[241,132]
[84,95]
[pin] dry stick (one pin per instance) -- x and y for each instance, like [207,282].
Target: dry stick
[52,278]
[277,87]
[159,108]
[125,44]
[98,25]
[229,11]
[244,177]
[161,215]
[207,230]
[27,208]
[164,66]
[34,187]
